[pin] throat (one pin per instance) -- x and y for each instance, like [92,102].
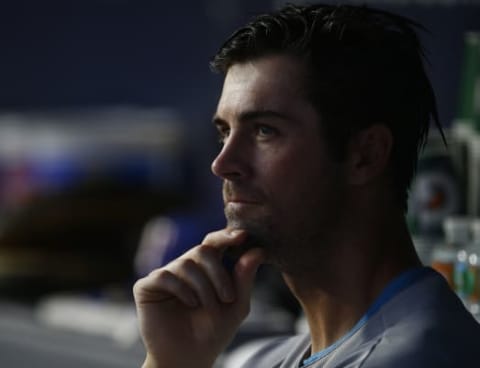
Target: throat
[333,318]
[331,308]
[336,319]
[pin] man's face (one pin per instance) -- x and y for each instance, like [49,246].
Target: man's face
[279,182]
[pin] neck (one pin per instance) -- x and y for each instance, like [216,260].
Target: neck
[339,291]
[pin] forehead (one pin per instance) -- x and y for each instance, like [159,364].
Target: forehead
[274,83]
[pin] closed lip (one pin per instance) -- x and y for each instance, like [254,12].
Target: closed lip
[241,200]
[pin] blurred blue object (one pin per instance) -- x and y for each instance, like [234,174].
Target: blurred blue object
[165,238]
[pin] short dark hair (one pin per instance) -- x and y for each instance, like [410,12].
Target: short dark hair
[364,66]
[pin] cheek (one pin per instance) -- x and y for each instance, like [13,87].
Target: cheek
[286,174]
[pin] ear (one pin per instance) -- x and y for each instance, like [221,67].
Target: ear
[369,153]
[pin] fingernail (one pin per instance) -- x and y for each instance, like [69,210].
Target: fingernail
[235,232]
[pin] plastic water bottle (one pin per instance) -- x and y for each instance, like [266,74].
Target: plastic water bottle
[446,255]
[473,270]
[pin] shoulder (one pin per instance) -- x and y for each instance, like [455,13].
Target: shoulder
[428,327]
[426,346]
[266,353]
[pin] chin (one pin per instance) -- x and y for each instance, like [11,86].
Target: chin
[258,231]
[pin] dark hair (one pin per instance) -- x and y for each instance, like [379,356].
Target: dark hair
[364,66]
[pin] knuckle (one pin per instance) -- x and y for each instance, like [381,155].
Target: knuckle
[206,251]
[215,236]
[209,238]
[161,276]
[187,263]
[137,287]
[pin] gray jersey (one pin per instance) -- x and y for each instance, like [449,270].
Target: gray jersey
[423,325]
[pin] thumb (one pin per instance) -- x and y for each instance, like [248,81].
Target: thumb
[245,271]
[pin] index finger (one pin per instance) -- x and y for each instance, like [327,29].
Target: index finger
[225,238]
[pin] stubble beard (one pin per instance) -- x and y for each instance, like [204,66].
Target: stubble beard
[289,247]
[295,245]
[258,227]
[253,218]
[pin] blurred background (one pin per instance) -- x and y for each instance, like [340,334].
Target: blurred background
[105,148]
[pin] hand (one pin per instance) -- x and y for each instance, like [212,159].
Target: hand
[190,309]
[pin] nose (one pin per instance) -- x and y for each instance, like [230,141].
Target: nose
[232,161]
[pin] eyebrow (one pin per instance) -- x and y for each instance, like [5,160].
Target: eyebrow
[253,115]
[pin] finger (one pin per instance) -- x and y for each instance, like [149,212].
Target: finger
[162,285]
[245,271]
[225,238]
[194,275]
[210,260]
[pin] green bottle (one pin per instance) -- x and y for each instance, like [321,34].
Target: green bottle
[469,104]
[466,127]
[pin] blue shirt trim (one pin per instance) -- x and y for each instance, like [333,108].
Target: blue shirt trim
[398,284]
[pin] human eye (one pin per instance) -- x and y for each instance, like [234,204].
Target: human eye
[223,132]
[265,131]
